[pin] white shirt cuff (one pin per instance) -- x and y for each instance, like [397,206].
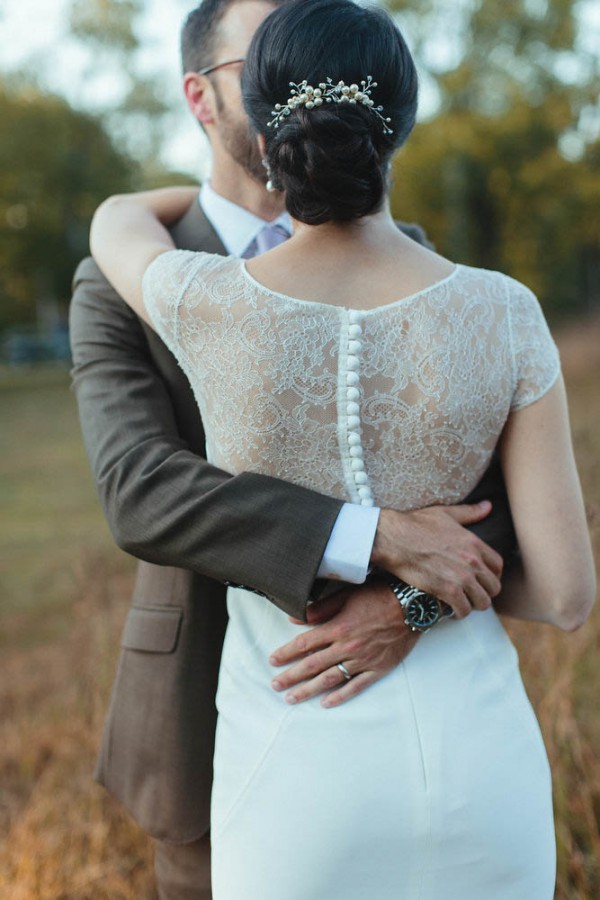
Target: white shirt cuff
[348,551]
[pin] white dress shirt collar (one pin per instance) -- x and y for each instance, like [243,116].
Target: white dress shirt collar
[236,226]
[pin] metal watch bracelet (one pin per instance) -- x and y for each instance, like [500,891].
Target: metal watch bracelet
[421,610]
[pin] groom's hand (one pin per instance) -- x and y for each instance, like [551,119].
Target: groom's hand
[366,633]
[432,549]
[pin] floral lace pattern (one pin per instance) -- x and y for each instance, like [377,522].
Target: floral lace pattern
[399,405]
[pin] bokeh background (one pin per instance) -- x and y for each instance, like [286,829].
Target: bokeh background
[503,171]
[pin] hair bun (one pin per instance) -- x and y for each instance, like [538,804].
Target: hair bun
[328,165]
[331,160]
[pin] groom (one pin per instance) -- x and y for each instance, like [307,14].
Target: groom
[194,526]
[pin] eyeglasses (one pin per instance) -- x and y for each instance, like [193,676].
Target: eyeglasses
[210,69]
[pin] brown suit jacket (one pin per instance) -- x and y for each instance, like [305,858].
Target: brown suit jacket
[170,508]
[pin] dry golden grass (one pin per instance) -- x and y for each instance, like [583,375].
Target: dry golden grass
[65,839]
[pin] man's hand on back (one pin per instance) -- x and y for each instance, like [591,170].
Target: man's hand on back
[366,633]
[364,628]
[431,549]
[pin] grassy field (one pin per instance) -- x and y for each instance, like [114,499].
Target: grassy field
[64,592]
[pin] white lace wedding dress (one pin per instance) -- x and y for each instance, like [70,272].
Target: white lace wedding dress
[434,783]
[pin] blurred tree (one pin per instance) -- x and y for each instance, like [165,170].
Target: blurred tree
[56,166]
[138,112]
[107,23]
[507,173]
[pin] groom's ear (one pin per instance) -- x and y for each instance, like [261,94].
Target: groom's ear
[200,97]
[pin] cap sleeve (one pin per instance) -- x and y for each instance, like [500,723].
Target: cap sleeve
[165,285]
[175,287]
[536,363]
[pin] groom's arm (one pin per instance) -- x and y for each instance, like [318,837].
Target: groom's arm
[164,503]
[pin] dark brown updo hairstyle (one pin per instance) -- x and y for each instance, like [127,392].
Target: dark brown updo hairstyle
[331,161]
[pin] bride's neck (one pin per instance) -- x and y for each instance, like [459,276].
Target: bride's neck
[369,231]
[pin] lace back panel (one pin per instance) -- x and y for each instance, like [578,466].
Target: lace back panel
[400,405]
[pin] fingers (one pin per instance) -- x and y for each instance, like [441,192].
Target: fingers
[493,560]
[304,643]
[467,513]
[458,600]
[330,678]
[477,596]
[474,591]
[483,581]
[350,689]
[479,584]
[489,582]
[311,666]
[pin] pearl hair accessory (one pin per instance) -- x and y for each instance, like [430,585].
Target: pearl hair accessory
[304,94]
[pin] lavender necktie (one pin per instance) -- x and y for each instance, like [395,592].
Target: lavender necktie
[270,236]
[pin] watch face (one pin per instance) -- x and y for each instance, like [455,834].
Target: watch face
[422,612]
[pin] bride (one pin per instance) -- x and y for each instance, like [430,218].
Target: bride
[358,363]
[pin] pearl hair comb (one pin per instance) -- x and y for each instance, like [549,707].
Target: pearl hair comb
[304,94]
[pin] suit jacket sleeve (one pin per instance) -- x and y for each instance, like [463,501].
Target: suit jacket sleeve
[164,503]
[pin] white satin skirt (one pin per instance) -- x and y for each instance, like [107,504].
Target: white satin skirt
[432,785]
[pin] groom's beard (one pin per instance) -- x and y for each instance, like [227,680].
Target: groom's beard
[239,141]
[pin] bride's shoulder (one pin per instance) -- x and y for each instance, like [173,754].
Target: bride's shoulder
[478,275]
[521,317]
[176,265]
[184,279]
[189,276]
[505,289]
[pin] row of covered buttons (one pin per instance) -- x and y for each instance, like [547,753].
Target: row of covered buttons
[357,465]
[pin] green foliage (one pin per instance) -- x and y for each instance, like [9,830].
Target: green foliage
[488,176]
[497,193]
[56,166]
[57,163]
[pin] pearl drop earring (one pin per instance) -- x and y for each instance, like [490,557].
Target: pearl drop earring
[269,185]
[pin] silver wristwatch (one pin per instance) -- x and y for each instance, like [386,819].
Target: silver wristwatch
[421,610]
